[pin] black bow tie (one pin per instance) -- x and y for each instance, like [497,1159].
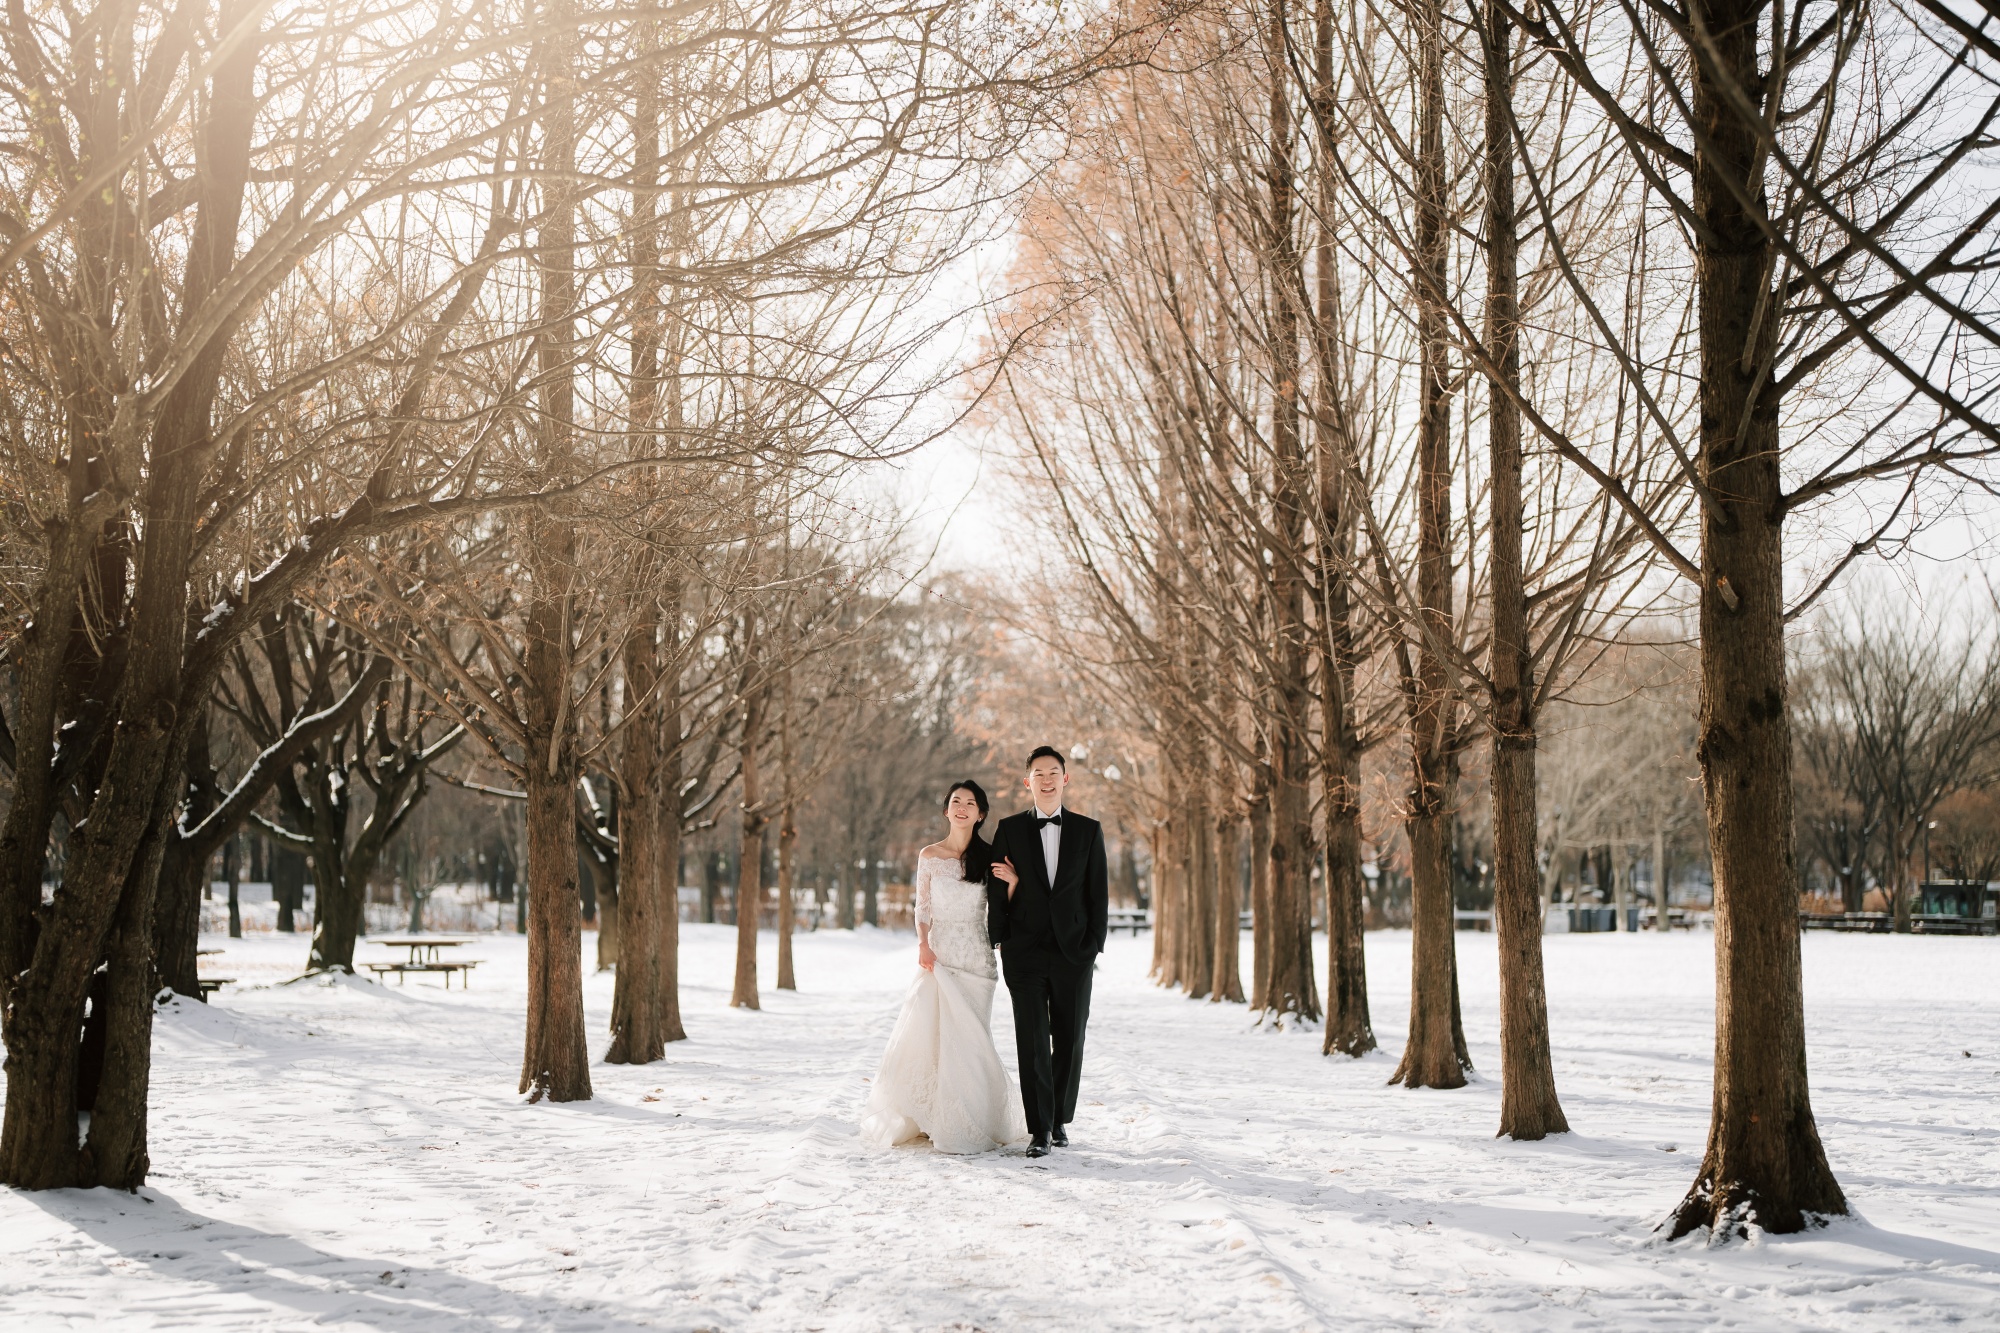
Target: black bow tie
[1043,821]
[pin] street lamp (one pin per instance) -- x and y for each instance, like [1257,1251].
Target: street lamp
[1927,850]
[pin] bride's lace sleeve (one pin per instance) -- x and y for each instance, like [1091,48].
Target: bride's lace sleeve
[922,885]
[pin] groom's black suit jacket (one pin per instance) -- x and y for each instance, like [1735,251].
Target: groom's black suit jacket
[1066,916]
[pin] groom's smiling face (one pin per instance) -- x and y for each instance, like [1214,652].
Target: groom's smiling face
[1046,780]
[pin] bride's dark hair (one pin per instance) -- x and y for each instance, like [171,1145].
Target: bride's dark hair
[976,862]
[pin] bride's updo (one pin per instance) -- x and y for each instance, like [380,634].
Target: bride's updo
[976,862]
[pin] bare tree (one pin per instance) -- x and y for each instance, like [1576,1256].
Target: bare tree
[1816,175]
[1913,718]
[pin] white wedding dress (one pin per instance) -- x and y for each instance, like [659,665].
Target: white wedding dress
[940,1075]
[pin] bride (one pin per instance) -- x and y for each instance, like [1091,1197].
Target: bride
[940,1075]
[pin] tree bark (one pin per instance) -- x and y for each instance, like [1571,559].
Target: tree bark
[1432,1057]
[788,837]
[750,858]
[24,837]
[667,874]
[1349,1028]
[609,890]
[339,902]
[1227,983]
[1260,889]
[1290,988]
[1197,932]
[636,1010]
[115,1153]
[1621,896]
[1763,1165]
[1529,1108]
[183,874]
[1662,910]
[555,1060]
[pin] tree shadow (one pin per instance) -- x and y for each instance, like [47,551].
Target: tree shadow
[1912,1251]
[223,1259]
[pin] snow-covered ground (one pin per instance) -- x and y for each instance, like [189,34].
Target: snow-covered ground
[340,1154]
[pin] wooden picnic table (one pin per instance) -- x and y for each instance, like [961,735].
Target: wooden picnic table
[424,958]
[423,948]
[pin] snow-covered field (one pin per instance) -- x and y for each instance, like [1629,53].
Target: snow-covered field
[351,1156]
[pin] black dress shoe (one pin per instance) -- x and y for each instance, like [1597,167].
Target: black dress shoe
[1038,1146]
[1060,1137]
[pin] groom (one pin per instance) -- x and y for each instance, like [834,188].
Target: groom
[1046,910]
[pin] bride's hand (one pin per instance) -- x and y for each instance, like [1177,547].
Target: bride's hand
[925,958]
[1003,870]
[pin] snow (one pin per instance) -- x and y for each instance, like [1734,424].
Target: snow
[345,1155]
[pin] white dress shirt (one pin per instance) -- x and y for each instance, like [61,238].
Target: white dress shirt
[1051,843]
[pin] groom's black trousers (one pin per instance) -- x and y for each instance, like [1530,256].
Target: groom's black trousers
[1051,1005]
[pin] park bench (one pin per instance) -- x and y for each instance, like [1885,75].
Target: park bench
[1873,922]
[210,985]
[1134,919]
[1941,923]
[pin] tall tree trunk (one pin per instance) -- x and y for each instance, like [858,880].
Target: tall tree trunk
[183,875]
[555,1059]
[38,679]
[1432,1058]
[1662,909]
[788,837]
[1290,987]
[1198,930]
[1260,888]
[1621,896]
[750,857]
[287,869]
[609,890]
[1763,1164]
[1170,875]
[1529,1108]
[667,917]
[1349,1028]
[177,923]
[1228,979]
[339,905]
[1901,896]
[115,1153]
[844,891]
[340,896]
[235,890]
[635,1000]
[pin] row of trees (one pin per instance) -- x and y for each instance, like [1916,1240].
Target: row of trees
[389,388]
[1411,355]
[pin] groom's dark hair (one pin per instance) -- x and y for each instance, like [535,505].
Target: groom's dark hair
[1048,752]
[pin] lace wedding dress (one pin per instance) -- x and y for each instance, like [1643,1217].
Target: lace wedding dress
[940,1075]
